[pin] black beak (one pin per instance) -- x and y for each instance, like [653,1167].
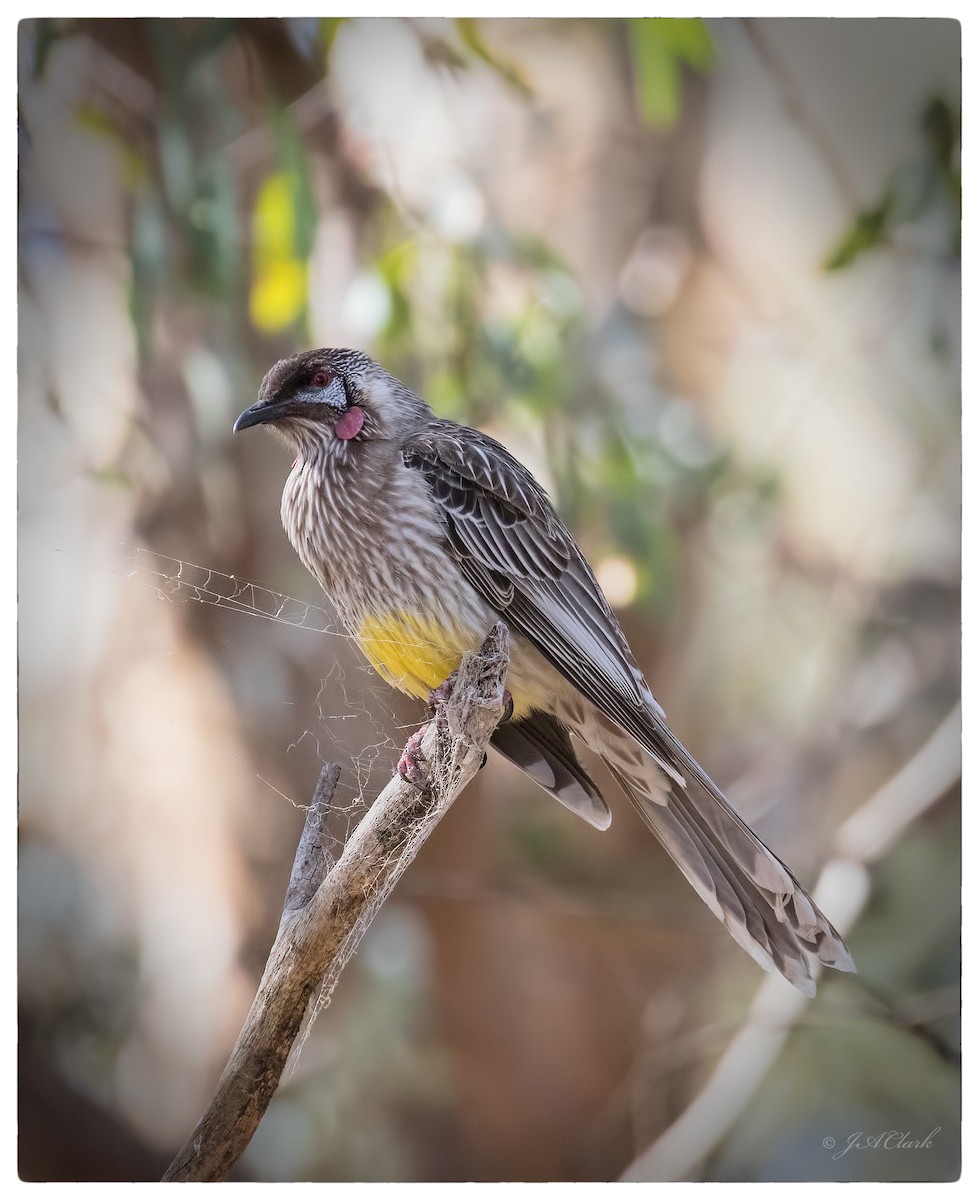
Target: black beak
[258,414]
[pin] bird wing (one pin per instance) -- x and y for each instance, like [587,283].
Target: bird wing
[514,550]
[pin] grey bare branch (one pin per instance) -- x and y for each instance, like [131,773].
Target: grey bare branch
[329,906]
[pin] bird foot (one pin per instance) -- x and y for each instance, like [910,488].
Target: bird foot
[412,763]
[438,696]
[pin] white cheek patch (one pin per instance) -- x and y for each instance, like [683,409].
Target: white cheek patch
[350,424]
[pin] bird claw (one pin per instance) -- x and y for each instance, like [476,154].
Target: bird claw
[412,763]
[439,695]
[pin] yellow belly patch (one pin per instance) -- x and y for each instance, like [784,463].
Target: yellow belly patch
[412,653]
[415,654]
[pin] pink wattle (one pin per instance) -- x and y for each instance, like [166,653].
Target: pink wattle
[350,424]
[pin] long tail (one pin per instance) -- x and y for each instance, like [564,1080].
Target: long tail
[758,899]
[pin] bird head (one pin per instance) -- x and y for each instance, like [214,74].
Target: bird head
[328,398]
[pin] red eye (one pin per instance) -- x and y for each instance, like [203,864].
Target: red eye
[320,379]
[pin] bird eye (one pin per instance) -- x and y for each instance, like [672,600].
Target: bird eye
[321,379]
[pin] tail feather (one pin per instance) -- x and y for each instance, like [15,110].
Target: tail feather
[753,893]
[707,872]
[745,919]
[768,871]
[539,745]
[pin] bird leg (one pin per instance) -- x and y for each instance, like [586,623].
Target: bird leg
[412,762]
[439,695]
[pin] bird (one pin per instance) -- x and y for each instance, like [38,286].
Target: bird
[424,533]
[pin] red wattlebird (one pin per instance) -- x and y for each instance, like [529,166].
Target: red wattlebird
[423,533]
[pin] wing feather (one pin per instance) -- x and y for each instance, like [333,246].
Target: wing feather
[517,554]
[513,549]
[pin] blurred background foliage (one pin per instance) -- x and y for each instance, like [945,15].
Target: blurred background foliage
[703,278]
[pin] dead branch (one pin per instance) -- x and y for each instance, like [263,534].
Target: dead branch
[329,906]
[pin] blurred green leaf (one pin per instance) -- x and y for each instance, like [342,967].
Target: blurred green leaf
[110,477]
[210,37]
[528,250]
[440,54]
[329,28]
[171,62]
[213,226]
[396,267]
[473,40]
[294,161]
[914,188]
[941,131]
[691,41]
[134,170]
[176,162]
[199,184]
[283,229]
[397,264]
[659,47]
[868,231]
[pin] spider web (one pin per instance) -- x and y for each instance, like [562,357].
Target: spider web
[177,580]
[368,765]
[365,762]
